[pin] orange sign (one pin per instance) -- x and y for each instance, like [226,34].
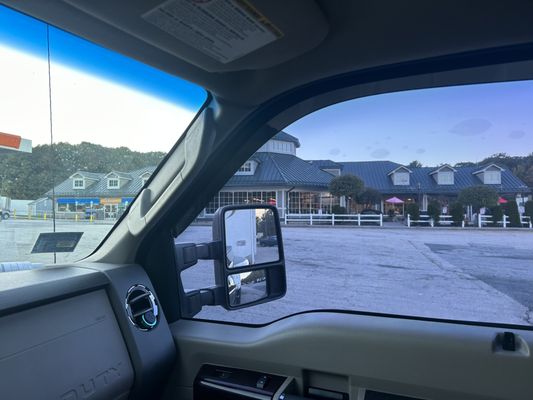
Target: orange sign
[8,140]
[110,200]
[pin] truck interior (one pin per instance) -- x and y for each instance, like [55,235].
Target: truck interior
[73,331]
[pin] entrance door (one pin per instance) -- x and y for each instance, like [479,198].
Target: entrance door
[110,211]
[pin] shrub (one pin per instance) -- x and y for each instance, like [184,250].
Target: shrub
[497,214]
[478,196]
[513,214]
[434,211]
[413,210]
[529,209]
[338,210]
[457,213]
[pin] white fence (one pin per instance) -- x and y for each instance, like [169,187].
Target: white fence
[445,220]
[486,220]
[482,221]
[332,219]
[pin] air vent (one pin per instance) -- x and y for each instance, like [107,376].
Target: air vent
[141,307]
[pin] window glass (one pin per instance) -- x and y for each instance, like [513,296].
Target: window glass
[385,236]
[60,138]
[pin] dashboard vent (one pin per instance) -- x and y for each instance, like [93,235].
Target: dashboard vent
[142,308]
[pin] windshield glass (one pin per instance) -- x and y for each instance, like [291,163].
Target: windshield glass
[82,129]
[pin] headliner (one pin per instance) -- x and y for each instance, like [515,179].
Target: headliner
[334,37]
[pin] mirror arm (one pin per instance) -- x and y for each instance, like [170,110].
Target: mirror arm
[188,254]
[196,299]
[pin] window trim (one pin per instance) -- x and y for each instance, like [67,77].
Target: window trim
[77,180]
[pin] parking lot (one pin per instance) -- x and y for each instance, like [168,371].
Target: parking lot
[464,274]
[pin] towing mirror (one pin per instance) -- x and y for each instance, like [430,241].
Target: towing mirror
[247,250]
[252,270]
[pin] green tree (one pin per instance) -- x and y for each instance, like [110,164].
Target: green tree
[457,212]
[349,186]
[497,214]
[434,210]
[414,164]
[369,197]
[413,211]
[529,209]
[30,176]
[511,209]
[478,196]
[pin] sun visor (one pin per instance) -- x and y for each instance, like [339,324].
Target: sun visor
[218,35]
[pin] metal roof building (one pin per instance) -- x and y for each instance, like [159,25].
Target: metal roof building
[275,175]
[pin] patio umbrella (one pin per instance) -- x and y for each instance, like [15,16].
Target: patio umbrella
[501,200]
[396,200]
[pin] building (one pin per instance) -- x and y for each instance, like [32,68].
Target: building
[102,195]
[275,175]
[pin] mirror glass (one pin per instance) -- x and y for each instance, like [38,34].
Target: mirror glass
[251,237]
[247,287]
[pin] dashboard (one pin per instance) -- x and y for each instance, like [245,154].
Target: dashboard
[84,330]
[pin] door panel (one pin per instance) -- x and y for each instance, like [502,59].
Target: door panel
[353,353]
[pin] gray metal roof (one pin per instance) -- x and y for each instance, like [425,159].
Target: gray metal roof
[374,174]
[326,164]
[99,188]
[285,170]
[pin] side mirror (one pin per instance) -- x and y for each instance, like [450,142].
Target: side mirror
[247,250]
[252,269]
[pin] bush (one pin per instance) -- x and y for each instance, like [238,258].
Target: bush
[434,211]
[413,210]
[529,209]
[513,214]
[478,196]
[497,214]
[338,210]
[457,213]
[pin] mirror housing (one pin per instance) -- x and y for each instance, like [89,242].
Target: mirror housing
[252,268]
[247,250]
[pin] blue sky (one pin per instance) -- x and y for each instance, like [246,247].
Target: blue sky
[441,125]
[29,35]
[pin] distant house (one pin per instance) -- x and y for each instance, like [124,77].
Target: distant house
[275,175]
[103,194]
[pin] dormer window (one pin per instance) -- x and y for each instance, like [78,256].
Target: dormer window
[78,183]
[490,175]
[248,168]
[444,175]
[401,176]
[113,183]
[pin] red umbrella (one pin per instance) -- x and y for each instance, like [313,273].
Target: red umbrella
[501,200]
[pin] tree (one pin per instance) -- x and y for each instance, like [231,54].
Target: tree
[414,164]
[349,186]
[529,209]
[513,214]
[478,196]
[434,211]
[458,213]
[30,176]
[497,214]
[413,211]
[369,197]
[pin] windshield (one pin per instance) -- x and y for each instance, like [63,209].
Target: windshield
[82,129]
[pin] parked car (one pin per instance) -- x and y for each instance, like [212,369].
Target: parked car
[268,241]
